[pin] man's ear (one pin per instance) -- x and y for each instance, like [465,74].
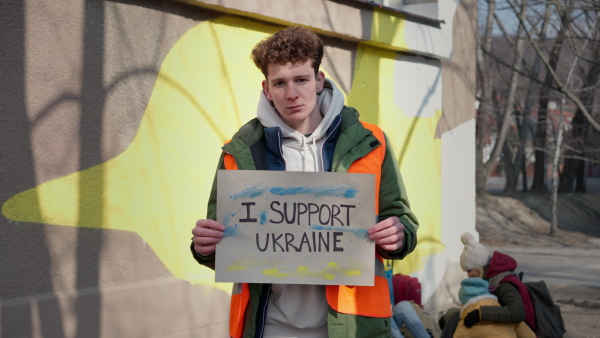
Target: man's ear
[320,81]
[265,86]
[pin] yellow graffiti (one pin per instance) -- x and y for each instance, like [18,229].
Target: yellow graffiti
[245,264]
[388,28]
[413,139]
[237,268]
[275,273]
[158,187]
[329,272]
[302,269]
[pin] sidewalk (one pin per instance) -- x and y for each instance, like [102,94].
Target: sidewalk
[557,265]
[495,185]
[579,308]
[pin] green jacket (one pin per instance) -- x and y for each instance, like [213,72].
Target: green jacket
[353,142]
[512,309]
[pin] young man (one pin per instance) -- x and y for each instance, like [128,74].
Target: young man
[303,125]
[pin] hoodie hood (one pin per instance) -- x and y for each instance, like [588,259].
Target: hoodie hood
[500,263]
[300,152]
[330,102]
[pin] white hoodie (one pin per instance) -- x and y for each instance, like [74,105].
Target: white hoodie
[297,310]
[300,152]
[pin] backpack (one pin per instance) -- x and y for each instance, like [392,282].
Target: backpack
[406,288]
[549,321]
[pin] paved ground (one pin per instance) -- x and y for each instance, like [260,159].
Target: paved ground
[558,266]
[580,319]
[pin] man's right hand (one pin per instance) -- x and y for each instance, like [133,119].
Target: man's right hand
[207,234]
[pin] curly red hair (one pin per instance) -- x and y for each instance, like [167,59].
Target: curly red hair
[293,44]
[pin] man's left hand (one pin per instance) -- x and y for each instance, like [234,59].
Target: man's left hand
[388,234]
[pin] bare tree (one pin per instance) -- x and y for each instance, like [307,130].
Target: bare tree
[514,167]
[574,162]
[539,176]
[516,80]
[564,10]
[557,151]
[487,98]
[485,101]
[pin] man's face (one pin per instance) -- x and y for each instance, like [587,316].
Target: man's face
[293,89]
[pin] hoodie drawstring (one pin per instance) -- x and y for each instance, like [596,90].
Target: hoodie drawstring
[316,158]
[313,148]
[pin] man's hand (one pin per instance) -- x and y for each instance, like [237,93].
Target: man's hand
[472,318]
[207,234]
[388,234]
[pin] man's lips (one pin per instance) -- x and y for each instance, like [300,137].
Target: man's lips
[298,107]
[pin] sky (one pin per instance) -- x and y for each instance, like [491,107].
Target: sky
[506,14]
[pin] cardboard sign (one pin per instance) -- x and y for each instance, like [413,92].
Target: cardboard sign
[295,227]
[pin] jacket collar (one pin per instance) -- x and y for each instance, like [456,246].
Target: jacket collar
[354,141]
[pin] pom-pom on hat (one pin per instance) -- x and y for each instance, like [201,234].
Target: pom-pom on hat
[472,287]
[474,254]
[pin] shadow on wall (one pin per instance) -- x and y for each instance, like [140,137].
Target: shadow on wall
[18,169]
[93,100]
[39,275]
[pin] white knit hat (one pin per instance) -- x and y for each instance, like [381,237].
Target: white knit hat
[474,254]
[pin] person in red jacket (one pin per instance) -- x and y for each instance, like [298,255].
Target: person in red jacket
[474,294]
[499,270]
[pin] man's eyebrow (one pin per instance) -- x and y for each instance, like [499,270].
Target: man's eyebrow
[295,77]
[298,76]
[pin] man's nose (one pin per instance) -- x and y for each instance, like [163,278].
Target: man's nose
[292,93]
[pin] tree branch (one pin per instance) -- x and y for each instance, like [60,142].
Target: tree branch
[512,67]
[561,87]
